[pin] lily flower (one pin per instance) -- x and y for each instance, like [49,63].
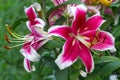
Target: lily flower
[62,11]
[82,36]
[33,41]
[66,11]
[40,37]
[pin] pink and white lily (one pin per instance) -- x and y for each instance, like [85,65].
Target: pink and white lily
[83,35]
[31,42]
[36,39]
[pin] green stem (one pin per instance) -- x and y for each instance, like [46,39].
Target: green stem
[95,52]
[56,52]
[67,20]
[45,13]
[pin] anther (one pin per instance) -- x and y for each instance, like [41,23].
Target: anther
[7,47]
[7,39]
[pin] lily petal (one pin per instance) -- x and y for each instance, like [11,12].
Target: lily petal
[69,54]
[40,23]
[79,13]
[30,12]
[29,52]
[33,20]
[93,9]
[94,22]
[86,57]
[27,65]
[55,15]
[62,31]
[106,41]
[101,40]
[37,6]
[32,28]
[38,42]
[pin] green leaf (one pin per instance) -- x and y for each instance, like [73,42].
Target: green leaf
[116,32]
[63,4]
[105,59]
[115,5]
[93,77]
[74,74]
[61,74]
[106,24]
[18,22]
[46,61]
[78,64]
[60,20]
[108,68]
[53,44]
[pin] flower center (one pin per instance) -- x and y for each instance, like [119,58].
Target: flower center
[82,39]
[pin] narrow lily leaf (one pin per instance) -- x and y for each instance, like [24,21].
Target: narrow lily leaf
[108,68]
[116,32]
[63,4]
[105,59]
[18,22]
[61,74]
[106,24]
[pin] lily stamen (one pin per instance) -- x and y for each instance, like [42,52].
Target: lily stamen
[12,33]
[7,39]
[10,47]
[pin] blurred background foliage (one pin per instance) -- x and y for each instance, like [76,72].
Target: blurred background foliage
[11,61]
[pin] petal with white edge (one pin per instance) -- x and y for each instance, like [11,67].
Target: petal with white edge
[29,52]
[62,31]
[38,44]
[69,54]
[106,41]
[94,22]
[33,20]
[33,29]
[79,13]
[40,23]
[27,65]
[101,40]
[37,6]
[86,57]
[30,12]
